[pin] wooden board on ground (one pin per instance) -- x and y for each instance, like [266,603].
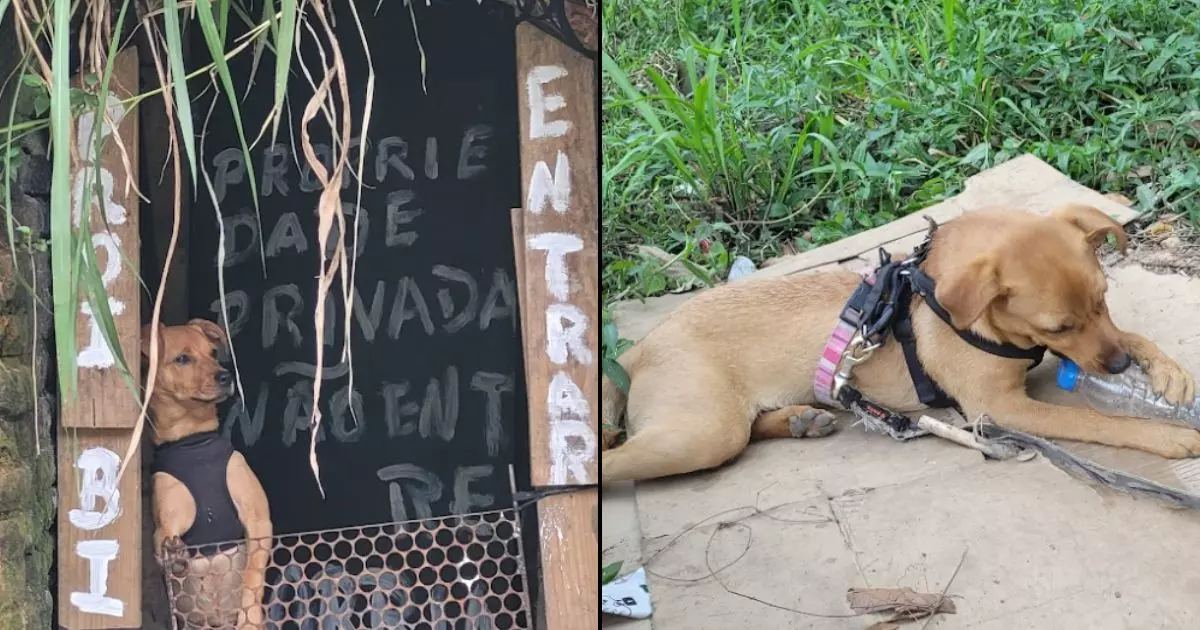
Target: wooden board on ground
[1136,296]
[99,522]
[558,251]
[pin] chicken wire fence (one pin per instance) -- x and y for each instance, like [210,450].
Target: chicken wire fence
[456,573]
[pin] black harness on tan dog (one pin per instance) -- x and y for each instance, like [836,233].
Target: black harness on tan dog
[200,463]
[881,307]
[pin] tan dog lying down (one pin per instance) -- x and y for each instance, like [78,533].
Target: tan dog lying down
[204,493]
[737,362]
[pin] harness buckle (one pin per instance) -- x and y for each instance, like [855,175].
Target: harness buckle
[859,349]
[856,352]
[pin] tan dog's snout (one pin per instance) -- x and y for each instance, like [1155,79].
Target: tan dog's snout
[1118,362]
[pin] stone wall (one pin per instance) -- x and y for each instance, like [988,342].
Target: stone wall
[27,476]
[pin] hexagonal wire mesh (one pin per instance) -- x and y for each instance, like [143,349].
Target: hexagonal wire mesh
[454,573]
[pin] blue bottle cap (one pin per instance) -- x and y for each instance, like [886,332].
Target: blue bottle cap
[1068,375]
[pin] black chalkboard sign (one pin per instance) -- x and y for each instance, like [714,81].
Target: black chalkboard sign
[428,428]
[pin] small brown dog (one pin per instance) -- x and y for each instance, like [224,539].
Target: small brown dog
[737,362]
[205,495]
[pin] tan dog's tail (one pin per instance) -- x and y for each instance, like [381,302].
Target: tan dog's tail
[612,402]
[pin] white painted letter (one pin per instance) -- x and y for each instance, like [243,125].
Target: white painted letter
[572,440]
[566,325]
[111,245]
[97,353]
[541,103]
[98,554]
[557,245]
[554,188]
[98,481]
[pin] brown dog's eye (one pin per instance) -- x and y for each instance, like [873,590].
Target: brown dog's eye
[1060,329]
[183,359]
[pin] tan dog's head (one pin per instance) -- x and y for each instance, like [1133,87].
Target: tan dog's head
[1035,280]
[189,363]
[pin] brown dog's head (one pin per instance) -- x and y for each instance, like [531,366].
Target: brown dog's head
[1034,280]
[189,363]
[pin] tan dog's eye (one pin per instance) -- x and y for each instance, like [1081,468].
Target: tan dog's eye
[1058,330]
[183,359]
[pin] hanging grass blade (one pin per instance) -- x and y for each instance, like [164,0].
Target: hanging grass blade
[65,306]
[223,27]
[183,102]
[260,44]
[216,46]
[284,43]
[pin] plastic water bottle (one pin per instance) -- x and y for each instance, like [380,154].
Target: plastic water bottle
[741,268]
[1126,394]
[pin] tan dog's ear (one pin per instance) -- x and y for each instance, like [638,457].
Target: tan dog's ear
[146,341]
[215,334]
[1094,223]
[966,292]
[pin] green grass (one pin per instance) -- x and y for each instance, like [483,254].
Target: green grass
[764,127]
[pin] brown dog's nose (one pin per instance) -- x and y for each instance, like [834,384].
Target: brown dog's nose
[224,378]
[1117,362]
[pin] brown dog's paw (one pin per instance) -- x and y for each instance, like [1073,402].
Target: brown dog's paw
[1171,380]
[1175,442]
[175,556]
[812,423]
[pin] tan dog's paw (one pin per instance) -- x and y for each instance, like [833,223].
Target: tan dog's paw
[1175,442]
[1171,380]
[175,556]
[250,616]
[812,423]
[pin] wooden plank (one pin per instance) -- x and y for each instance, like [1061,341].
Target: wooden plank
[104,396]
[99,522]
[557,258]
[518,228]
[570,559]
[558,166]
[99,532]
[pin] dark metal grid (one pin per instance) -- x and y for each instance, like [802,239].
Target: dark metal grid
[454,573]
[572,22]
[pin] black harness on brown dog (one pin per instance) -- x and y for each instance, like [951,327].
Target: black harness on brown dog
[881,307]
[200,462]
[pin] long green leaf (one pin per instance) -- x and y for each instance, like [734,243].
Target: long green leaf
[65,302]
[183,101]
[223,27]
[665,140]
[284,43]
[217,47]
[616,373]
[610,572]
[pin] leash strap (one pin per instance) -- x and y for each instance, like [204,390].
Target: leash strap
[876,417]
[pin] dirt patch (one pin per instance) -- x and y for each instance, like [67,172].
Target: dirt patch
[1166,244]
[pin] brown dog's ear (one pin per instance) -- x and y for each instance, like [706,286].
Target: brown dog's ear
[1093,223]
[146,341]
[215,334]
[966,292]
